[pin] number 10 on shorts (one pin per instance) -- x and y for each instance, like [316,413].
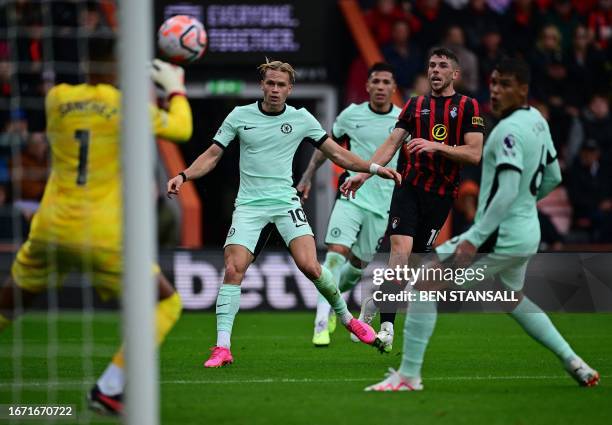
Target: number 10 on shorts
[298,216]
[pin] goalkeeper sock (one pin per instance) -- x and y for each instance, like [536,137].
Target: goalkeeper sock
[333,262]
[420,323]
[112,380]
[327,287]
[537,324]
[167,314]
[5,322]
[349,277]
[228,303]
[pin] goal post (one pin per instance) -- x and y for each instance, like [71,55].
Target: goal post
[139,290]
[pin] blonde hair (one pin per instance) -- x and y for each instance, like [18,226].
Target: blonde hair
[277,66]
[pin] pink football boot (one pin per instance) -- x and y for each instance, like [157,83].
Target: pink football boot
[220,357]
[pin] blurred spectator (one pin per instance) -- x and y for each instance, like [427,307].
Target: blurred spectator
[434,17]
[457,4]
[597,124]
[499,6]
[600,23]
[489,54]
[404,55]
[468,63]
[520,27]
[29,172]
[563,16]
[589,188]
[381,18]
[476,19]
[547,51]
[594,123]
[586,69]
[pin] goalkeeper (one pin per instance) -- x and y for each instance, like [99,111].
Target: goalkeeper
[79,224]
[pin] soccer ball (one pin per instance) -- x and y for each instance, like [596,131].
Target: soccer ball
[182,39]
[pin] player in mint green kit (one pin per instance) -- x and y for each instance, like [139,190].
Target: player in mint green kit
[269,133]
[519,167]
[357,225]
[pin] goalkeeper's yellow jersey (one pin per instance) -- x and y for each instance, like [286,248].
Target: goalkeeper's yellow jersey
[82,201]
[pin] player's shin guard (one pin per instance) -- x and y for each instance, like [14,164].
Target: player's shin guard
[420,322]
[349,277]
[4,322]
[537,324]
[333,262]
[327,287]
[228,303]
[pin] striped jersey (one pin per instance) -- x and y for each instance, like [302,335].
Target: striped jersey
[442,119]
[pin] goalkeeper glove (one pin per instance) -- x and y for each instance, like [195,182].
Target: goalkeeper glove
[170,78]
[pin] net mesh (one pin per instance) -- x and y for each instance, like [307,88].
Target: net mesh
[52,352]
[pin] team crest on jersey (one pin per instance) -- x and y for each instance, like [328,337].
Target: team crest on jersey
[231,232]
[395,222]
[453,112]
[439,132]
[286,128]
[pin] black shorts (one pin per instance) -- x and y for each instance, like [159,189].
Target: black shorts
[419,214]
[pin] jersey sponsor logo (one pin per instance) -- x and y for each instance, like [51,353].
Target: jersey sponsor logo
[453,112]
[231,232]
[424,111]
[395,222]
[439,132]
[286,128]
[335,232]
[248,128]
[478,121]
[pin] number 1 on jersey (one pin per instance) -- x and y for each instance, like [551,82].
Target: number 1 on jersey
[82,136]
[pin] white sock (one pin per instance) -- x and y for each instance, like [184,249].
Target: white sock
[112,380]
[322,316]
[223,339]
[346,318]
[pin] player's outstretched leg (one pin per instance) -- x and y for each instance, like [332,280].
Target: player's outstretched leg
[237,260]
[303,251]
[106,397]
[333,262]
[418,328]
[538,325]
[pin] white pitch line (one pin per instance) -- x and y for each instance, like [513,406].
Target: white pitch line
[79,384]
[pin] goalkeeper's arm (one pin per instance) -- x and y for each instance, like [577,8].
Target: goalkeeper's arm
[176,123]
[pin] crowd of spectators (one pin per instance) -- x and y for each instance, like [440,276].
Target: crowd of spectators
[568,45]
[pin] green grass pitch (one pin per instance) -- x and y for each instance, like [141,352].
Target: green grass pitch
[480,369]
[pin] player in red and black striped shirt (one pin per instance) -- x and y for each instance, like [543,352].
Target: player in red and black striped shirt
[436,133]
